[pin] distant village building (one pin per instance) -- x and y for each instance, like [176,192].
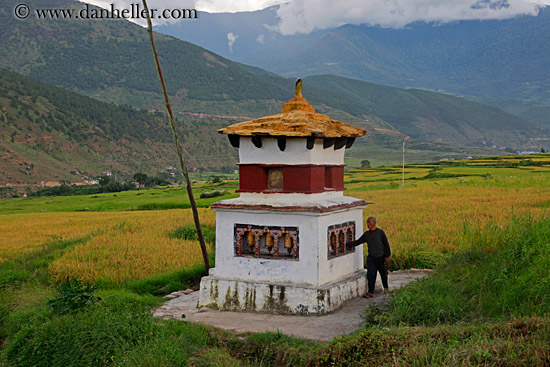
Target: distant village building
[50,183]
[281,246]
[90,181]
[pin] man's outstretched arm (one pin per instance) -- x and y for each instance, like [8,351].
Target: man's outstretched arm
[361,240]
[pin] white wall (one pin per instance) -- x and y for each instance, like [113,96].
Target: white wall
[296,152]
[312,267]
[302,271]
[341,266]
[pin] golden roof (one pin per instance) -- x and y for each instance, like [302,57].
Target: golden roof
[298,119]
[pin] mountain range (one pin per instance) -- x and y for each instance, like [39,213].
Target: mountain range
[110,60]
[494,61]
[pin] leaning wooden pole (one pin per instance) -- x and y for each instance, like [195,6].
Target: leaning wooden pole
[177,141]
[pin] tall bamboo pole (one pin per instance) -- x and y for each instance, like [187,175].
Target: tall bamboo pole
[403,179]
[177,142]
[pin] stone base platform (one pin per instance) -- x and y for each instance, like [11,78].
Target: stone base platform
[294,299]
[347,319]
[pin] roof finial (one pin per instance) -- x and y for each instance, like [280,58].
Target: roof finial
[298,91]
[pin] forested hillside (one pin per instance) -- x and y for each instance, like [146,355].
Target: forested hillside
[427,115]
[111,60]
[48,133]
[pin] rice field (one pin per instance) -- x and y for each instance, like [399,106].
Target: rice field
[139,246]
[425,221]
[425,225]
[121,245]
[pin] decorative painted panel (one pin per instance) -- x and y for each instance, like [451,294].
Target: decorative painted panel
[337,237]
[275,179]
[272,242]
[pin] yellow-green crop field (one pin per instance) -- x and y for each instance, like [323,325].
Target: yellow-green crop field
[121,245]
[424,220]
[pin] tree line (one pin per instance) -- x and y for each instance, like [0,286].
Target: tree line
[106,184]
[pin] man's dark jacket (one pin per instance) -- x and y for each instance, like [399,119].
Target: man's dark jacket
[377,243]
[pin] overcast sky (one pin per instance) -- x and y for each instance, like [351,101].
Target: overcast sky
[304,16]
[211,6]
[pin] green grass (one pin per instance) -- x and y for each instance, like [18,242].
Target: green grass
[521,342]
[146,199]
[390,154]
[117,331]
[486,172]
[34,267]
[500,273]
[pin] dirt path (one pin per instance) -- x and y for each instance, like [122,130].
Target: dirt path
[322,328]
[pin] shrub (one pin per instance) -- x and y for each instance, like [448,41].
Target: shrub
[212,194]
[73,296]
[163,206]
[189,232]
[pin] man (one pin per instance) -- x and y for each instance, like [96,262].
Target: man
[378,254]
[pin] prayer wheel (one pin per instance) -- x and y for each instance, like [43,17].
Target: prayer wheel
[342,241]
[250,239]
[268,241]
[333,243]
[288,242]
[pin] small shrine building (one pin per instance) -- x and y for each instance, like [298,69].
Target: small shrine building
[281,245]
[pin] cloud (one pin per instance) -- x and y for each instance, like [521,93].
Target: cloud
[260,38]
[231,38]
[221,6]
[305,16]
[211,6]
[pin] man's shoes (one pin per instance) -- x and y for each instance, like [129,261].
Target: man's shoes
[368,295]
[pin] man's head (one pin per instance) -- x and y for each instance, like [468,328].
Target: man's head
[371,223]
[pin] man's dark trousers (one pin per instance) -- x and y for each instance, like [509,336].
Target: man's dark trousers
[376,264]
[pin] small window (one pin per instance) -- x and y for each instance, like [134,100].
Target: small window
[275,179]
